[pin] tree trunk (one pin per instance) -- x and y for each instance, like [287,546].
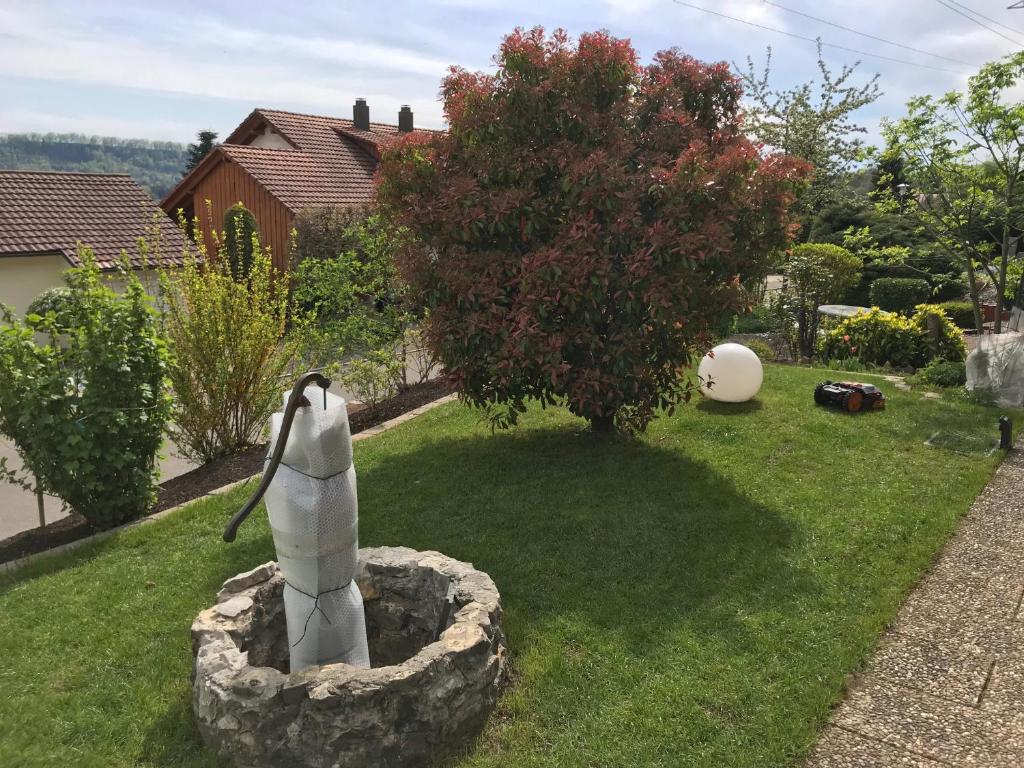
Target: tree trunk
[602,425]
[972,280]
[1001,288]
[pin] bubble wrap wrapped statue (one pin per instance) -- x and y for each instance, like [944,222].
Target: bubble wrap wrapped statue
[996,365]
[314,517]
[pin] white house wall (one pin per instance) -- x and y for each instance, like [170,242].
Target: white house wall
[22,278]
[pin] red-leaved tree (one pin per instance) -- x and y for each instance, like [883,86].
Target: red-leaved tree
[582,222]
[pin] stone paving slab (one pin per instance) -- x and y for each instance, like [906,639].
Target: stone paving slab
[840,748]
[946,684]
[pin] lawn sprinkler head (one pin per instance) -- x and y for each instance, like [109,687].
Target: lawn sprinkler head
[1005,433]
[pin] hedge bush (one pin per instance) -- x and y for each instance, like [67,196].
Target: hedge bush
[960,312]
[899,294]
[888,338]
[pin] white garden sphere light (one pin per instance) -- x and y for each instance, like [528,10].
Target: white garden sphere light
[733,371]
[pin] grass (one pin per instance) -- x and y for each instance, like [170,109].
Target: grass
[694,597]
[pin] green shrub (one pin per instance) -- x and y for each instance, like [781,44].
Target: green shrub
[899,294]
[960,312]
[231,352]
[762,349]
[887,338]
[373,378]
[57,301]
[755,321]
[943,373]
[87,407]
[817,273]
[241,241]
[358,301]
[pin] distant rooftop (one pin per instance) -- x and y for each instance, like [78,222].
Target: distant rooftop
[44,212]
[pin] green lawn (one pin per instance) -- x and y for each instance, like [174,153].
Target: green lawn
[694,597]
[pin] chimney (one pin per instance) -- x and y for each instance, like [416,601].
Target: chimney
[405,119]
[361,115]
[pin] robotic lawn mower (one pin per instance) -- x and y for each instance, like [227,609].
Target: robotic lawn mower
[852,396]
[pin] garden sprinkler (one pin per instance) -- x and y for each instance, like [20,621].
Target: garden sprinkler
[310,488]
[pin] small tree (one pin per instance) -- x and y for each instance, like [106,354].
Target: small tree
[816,274]
[83,395]
[585,221]
[324,232]
[241,241]
[205,141]
[814,121]
[233,350]
[964,161]
[357,297]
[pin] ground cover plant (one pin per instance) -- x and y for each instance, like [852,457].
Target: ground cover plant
[692,597]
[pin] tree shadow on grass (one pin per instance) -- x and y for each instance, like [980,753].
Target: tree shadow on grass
[637,539]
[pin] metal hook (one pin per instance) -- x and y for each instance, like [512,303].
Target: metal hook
[296,400]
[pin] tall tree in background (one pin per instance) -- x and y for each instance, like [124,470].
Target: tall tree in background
[963,157]
[813,121]
[585,220]
[205,141]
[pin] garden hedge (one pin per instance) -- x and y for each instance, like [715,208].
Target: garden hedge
[899,294]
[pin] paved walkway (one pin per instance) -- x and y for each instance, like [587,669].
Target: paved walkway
[946,685]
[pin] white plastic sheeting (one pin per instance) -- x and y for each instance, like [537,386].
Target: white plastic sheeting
[314,516]
[997,365]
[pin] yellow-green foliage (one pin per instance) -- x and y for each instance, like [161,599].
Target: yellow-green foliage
[885,338]
[231,350]
[949,344]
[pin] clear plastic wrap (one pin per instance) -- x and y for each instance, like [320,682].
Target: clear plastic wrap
[996,365]
[314,517]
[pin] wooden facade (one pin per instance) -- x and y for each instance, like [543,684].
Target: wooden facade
[225,184]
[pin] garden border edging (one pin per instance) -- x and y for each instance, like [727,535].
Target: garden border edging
[15,565]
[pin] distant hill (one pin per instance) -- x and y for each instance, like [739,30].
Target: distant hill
[156,165]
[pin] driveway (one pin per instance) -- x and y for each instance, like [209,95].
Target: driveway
[18,508]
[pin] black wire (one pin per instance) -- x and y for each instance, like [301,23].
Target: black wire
[865,34]
[979,23]
[816,40]
[987,18]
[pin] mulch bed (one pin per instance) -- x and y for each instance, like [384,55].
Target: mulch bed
[216,474]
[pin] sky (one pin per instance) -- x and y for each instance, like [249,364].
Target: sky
[165,70]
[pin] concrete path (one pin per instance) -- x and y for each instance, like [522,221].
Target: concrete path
[946,685]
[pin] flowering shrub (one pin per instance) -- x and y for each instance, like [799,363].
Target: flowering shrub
[885,338]
[232,349]
[83,395]
[585,220]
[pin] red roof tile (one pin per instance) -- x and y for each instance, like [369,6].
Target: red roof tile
[332,163]
[48,212]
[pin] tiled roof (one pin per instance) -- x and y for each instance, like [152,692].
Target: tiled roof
[332,163]
[52,212]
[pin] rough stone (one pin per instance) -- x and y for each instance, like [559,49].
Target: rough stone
[423,697]
[243,581]
[233,606]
